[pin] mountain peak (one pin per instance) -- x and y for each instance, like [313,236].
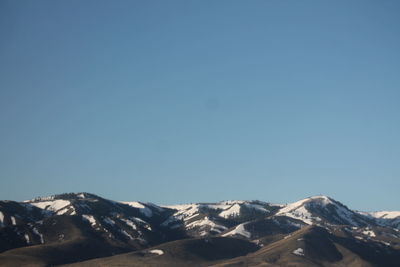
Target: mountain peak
[320,209]
[324,198]
[65,196]
[320,199]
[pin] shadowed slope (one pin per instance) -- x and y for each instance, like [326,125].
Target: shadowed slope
[76,244]
[195,252]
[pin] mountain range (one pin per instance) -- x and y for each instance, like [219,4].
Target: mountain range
[83,229]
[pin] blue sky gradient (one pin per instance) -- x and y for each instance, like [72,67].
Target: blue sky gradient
[188,101]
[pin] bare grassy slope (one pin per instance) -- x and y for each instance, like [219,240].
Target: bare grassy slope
[314,246]
[188,252]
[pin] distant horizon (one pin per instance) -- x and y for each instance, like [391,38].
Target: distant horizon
[184,101]
[199,202]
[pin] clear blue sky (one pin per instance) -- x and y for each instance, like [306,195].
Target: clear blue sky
[186,101]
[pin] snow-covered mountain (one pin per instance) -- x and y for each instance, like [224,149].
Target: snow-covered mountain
[323,210]
[131,224]
[110,227]
[385,218]
[214,218]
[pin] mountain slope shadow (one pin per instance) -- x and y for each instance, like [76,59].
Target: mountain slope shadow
[79,243]
[195,252]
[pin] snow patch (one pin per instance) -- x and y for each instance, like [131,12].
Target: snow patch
[369,233]
[142,223]
[385,243]
[13,221]
[157,251]
[385,214]
[60,206]
[126,234]
[207,222]
[129,223]
[239,230]
[185,211]
[36,231]
[138,220]
[298,252]
[290,207]
[231,212]
[26,236]
[135,204]
[143,209]
[90,219]
[297,212]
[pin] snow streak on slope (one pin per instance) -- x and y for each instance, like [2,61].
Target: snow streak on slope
[129,223]
[90,219]
[232,211]
[36,231]
[239,230]
[1,218]
[143,209]
[26,238]
[58,206]
[185,211]
[235,209]
[125,233]
[206,222]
